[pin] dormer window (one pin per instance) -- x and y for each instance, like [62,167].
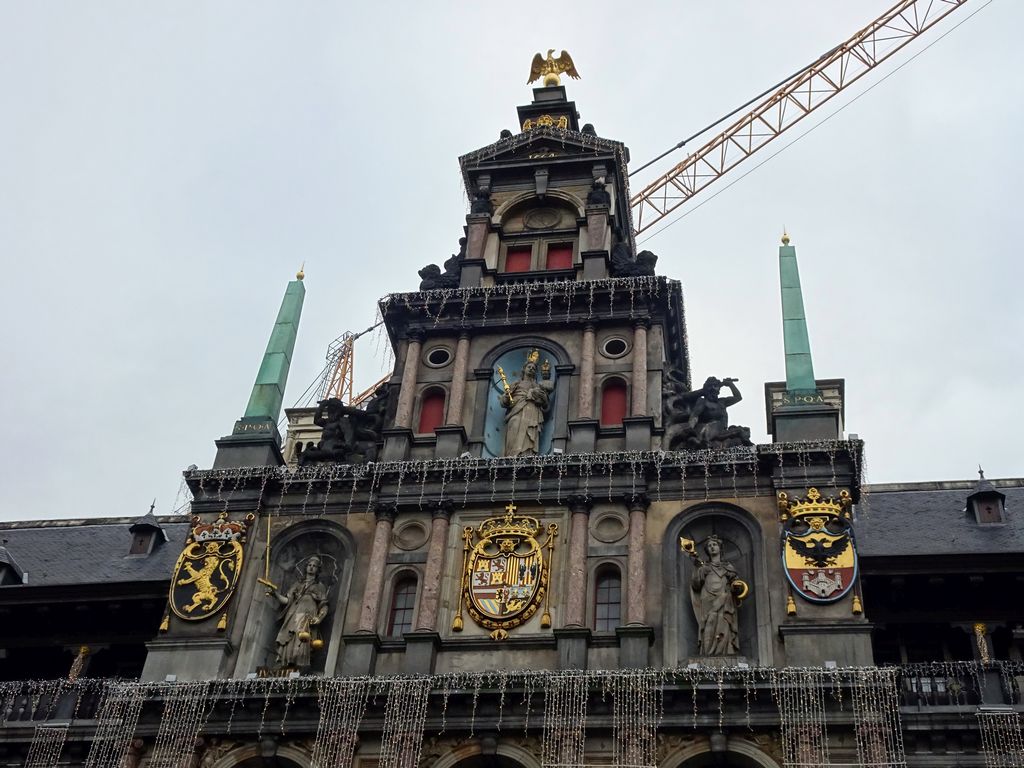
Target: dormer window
[10,572]
[987,504]
[147,534]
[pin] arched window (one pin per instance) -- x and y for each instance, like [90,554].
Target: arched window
[607,599]
[431,411]
[403,602]
[613,402]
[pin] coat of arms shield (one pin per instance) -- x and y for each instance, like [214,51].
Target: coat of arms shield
[505,572]
[208,568]
[818,551]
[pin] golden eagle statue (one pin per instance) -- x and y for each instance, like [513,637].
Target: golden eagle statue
[551,67]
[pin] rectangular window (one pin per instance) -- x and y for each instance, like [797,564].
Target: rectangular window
[519,259]
[560,256]
[607,601]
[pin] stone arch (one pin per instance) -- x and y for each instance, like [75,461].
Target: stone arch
[738,754]
[472,756]
[745,546]
[522,200]
[289,547]
[252,756]
[489,416]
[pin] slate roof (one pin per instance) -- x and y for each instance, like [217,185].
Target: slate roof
[66,552]
[908,519]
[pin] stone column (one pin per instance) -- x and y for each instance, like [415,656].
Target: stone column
[375,571]
[426,617]
[459,370]
[639,401]
[576,599]
[636,581]
[586,404]
[410,370]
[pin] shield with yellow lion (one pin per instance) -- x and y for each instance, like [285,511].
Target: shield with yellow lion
[208,568]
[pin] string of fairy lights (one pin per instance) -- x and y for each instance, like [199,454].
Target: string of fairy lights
[816,709]
[704,473]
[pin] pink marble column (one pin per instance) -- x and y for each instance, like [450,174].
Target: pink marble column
[586,403]
[639,401]
[458,390]
[410,370]
[375,570]
[636,580]
[576,599]
[426,616]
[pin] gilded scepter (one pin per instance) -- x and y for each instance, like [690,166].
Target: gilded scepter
[504,382]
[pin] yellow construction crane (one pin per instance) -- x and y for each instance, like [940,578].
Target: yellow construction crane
[787,104]
[337,379]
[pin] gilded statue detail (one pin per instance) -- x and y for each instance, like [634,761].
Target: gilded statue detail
[551,68]
[207,570]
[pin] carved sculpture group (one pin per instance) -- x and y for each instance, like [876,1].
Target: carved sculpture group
[349,435]
[699,419]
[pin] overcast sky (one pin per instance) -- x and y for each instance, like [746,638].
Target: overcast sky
[166,167]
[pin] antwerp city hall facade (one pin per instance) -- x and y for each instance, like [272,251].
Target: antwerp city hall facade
[541,542]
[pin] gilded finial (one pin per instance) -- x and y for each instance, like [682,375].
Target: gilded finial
[785,237]
[551,67]
[301,274]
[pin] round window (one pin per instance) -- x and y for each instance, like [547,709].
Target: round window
[439,356]
[614,347]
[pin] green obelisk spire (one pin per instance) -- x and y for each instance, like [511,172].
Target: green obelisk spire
[255,440]
[268,391]
[799,369]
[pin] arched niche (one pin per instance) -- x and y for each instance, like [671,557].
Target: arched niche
[289,551]
[511,356]
[743,547]
[526,213]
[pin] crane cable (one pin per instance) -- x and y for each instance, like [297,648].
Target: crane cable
[740,108]
[812,128]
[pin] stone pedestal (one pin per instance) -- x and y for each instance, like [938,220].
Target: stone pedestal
[595,265]
[597,226]
[188,658]
[451,441]
[360,654]
[811,645]
[582,436]
[635,641]
[572,645]
[420,652]
[639,430]
[397,441]
[717,661]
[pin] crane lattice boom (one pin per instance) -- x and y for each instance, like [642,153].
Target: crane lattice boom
[801,95]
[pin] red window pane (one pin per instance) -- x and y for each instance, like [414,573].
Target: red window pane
[613,403]
[519,259]
[560,256]
[431,411]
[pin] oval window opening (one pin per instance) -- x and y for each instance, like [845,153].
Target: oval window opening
[615,347]
[439,356]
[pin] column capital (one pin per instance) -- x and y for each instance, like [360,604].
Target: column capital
[415,334]
[579,502]
[589,326]
[637,502]
[385,512]
[642,322]
[463,335]
[443,510]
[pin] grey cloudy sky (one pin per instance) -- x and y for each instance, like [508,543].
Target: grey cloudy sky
[166,167]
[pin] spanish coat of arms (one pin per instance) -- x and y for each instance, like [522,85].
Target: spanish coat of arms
[818,551]
[208,568]
[505,573]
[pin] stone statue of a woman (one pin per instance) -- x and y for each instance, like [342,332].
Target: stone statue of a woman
[304,607]
[714,602]
[526,405]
